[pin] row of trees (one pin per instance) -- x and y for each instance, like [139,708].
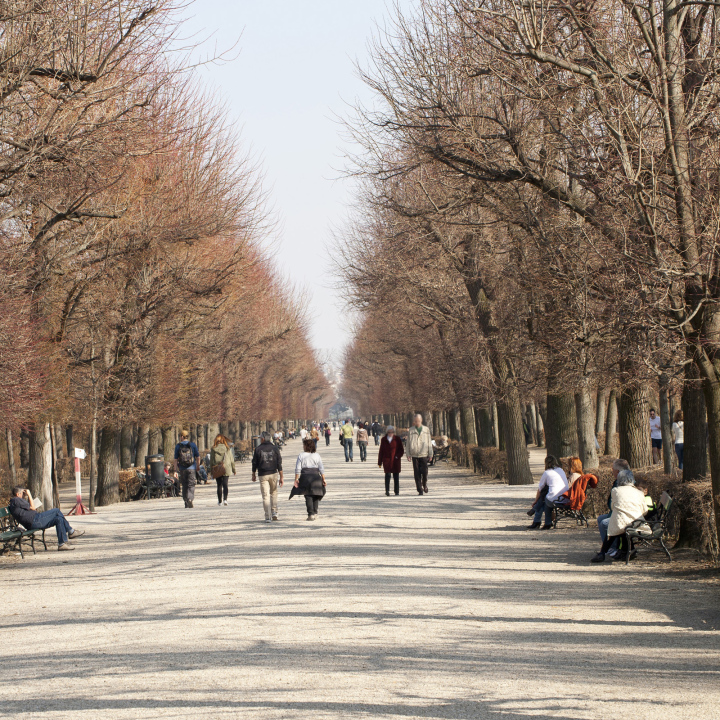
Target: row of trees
[539,219]
[133,285]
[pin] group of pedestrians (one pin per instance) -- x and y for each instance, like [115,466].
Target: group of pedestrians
[677,432]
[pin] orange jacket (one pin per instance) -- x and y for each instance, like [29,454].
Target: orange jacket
[578,490]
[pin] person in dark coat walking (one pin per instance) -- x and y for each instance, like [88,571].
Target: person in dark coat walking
[390,458]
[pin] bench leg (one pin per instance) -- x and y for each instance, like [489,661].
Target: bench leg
[43,540]
[664,547]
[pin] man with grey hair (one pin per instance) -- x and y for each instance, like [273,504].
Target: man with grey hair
[420,451]
[267,463]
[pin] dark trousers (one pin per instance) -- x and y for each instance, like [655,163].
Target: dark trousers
[327,439]
[680,452]
[610,539]
[188,480]
[311,503]
[222,487]
[420,470]
[348,449]
[377,438]
[363,450]
[47,519]
[396,479]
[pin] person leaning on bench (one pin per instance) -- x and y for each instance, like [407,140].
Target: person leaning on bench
[23,510]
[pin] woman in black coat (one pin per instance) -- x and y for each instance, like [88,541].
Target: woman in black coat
[390,458]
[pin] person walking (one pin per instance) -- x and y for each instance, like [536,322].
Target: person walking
[347,439]
[328,434]
[655,436]
[390,458]
[420,451]
[375,431]
[267,464]
[678,431]
[362,441]
[187,465]
[222,465]
[309,477]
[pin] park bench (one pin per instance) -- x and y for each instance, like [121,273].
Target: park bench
[573,510]
[153,489]
[440,453]
[12,536]
[648,531]
[242,455]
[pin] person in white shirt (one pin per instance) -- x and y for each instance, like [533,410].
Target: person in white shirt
[551,488]
[678,431]
[655,436]
[303,433]
[309,477]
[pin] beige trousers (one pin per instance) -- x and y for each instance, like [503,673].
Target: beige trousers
[269,490]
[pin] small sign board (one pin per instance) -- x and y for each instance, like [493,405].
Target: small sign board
[80,453]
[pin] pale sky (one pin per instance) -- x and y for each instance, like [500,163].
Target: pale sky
[293,74]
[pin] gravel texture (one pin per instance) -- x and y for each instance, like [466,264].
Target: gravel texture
[439,606]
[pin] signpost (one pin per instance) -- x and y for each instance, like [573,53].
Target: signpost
[79,508]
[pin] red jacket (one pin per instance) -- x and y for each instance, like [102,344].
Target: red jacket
[390,454]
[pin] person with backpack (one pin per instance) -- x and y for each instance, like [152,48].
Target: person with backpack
[222,464]
[187,465]
[267,463]
[328,433]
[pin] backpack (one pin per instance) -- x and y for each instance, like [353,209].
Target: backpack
[185,455]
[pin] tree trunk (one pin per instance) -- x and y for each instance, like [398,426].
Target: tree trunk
[153,440]
[54,464]
[24,448]
[168,442]
[695,418]
[11,456]
[611,424]
[108,480]
[633,411]
[143,444]
[586,429]
[126,449]
[452,426]
[467,422]
[496,425]
[666,426]
[532,422]
[484,427]
[540,425]
[93,461]
[712,400]
[69,441]
[428,419]
[40,464]
[561,426]
[510,412]
[58,441]
[600,410]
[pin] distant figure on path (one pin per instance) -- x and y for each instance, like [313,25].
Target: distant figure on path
[420,451]
[309,478]
[22,508]
[347,437]
[375,431]
[314,434]
[678,431]
[655,436]
[362,441]
[328,433]
[553,484]
[390,458]
[267,463]
[303,433]
[187,464]
[223,462]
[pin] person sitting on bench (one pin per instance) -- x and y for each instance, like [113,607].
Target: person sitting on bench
[551,489]
[23,510]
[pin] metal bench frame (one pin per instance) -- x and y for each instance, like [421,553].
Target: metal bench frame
[636,534]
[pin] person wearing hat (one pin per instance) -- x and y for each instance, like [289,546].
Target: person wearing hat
[187,463]
[390,458]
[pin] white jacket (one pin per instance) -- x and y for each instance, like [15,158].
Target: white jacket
[628,504]
[419,445]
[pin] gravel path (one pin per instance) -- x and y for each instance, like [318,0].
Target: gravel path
[412,607]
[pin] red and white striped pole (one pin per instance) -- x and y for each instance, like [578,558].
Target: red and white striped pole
[79,508]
